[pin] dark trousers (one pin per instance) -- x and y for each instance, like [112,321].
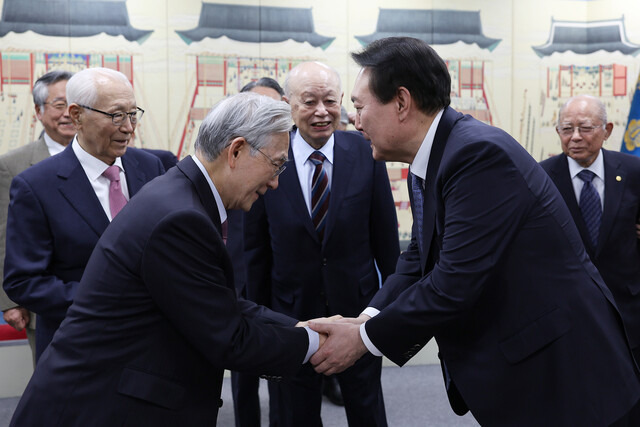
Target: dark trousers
[297,401]
[246,401]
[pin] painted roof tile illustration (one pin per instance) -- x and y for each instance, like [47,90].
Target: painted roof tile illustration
[587,37]
[437,26]
[74,18]
[255,24]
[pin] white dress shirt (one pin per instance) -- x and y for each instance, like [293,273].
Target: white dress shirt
[93,168]
[418,168]
[53,146]
[597,167]
[314,338]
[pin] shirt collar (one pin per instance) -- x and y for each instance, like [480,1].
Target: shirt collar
[92,166]
[597,167]
[421,161]
[54,147]
[302,150]
[221,210]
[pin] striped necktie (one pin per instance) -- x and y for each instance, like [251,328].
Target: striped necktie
[418,202]
[590,205]
[319,193]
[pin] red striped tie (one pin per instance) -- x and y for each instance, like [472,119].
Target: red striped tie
[319,193]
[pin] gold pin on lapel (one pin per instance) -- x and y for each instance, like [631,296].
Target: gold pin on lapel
[618,178]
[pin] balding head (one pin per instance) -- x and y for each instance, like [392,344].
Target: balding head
[314,92]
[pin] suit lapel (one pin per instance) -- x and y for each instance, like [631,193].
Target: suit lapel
[135,176]
[447,121]
[614,183]
[289,184]
[76,188]
[343,164]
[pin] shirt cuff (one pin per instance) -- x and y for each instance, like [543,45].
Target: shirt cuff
[367,342]
[314,343]
[371,312]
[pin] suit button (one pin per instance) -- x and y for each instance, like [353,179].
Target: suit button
[324,262]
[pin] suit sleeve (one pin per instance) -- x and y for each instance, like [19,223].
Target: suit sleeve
[484,199]
[27,277]
[384,223]
[191,277]
[258,256]
[5,183]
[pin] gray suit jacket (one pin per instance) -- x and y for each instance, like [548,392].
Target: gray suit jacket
[11,164]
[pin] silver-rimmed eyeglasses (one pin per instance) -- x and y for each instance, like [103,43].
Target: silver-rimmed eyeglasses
[568,130]
[279,169]
[119,117]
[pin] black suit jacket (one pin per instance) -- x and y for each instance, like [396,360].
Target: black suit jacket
[617,255]
[527,328]
[156,321]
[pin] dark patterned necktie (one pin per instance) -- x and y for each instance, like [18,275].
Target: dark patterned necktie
[418,202]
[590,205]
[319,193]
[225,229]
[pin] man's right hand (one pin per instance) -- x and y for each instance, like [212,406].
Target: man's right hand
[17,317]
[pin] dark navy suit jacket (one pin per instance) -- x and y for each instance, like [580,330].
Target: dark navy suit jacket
[528,330]
[617,255]
[55,220]
[290,270]
[156,321]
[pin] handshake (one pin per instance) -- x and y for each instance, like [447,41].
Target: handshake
[340,342]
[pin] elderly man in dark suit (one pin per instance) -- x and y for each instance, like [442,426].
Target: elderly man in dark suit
[61,206]
[313,245]
[528,332]
[608,227]
[158,294]
[50,99]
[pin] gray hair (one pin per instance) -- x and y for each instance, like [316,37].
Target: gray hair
[247,115]
[287,80]
[40,90]
[601,109]
[83,86]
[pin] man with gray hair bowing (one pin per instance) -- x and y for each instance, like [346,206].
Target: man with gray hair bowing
[159,292]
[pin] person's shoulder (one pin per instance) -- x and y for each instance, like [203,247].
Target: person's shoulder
[551,161]
[167,158]
[143,157]
[24,153]
[622,157]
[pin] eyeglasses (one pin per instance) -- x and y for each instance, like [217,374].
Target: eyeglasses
[279,169]
[58,105]
[118,118]
[582,130]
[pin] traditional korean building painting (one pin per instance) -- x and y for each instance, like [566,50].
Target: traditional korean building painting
[219,75]
[566,74]
[470,92]
[48,24]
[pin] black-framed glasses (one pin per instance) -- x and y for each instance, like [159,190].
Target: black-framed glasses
[279,169]
[58,105]
[568,130]
[118,117]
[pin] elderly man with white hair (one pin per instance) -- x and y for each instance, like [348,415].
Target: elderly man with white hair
[60,207]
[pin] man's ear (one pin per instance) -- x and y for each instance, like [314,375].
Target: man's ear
[39,112]
[403,102]
[75,113]
[235,148]
[607,130]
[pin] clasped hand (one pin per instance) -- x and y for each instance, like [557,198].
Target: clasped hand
[342,345]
